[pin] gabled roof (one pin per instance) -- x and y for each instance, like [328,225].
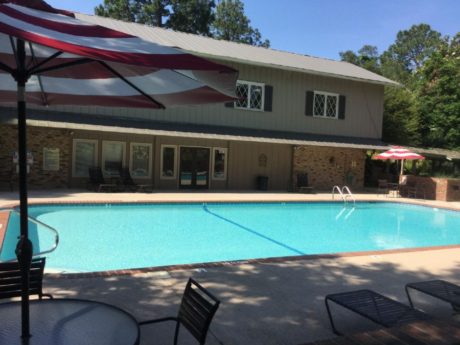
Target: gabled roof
[244,53]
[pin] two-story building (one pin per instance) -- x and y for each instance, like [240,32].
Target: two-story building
[295,114]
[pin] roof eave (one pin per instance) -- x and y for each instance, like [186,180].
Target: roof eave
[294,69]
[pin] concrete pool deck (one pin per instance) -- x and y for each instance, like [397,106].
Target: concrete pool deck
[262,303]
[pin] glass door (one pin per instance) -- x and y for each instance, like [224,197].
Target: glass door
[194,168]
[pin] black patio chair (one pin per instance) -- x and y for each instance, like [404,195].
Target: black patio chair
[97,181]
[375,307]
[10,279]
[302,183]
[129,184]
[196,311]
[441,289]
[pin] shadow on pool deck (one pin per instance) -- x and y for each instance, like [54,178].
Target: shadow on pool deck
[269,303]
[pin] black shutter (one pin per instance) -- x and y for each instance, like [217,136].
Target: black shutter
[230,105]
[268,98]
[342,107]
[309,103]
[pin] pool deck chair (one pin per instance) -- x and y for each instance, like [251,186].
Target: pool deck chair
[130,185]
[302,183]
[440,289]
[375,307]
[97,181]
[196,311]
[10,279]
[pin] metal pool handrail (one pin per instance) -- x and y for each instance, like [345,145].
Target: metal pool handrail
[36,221]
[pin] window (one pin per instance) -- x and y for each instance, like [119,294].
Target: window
[219,163]
[325,105]
[140,163]
[113,157]
[84,156]
[168,162]
[251,95]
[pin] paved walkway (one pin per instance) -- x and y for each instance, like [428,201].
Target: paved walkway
[265,303]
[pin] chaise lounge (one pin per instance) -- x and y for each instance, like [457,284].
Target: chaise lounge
[440,289]
[375,307]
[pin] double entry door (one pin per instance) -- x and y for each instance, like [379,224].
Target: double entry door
[194,168]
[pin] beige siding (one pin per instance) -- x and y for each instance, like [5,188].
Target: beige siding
[364,106]
[244,165]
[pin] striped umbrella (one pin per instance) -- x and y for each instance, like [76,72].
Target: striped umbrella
[398,153]
[48,57]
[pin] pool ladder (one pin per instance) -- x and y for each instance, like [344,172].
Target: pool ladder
[345,194]
[49,228]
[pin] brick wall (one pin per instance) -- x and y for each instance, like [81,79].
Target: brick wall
[433,188]
[38,138]
[327,166]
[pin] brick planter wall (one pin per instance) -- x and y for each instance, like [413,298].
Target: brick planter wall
[433,188]
[327,166]
[37,139]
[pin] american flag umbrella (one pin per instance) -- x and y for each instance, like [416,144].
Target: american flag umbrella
[48,57]
[398,153]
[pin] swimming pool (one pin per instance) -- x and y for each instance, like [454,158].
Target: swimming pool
[122,236]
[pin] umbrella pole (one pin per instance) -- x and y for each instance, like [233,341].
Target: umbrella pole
[24,246]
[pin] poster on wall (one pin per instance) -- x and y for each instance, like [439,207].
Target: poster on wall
[50,159]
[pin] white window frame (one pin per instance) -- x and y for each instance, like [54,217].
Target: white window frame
[175,162]
[74,154]
[131,145]
[214,149]
[326,95]
[123,158]
[251,83]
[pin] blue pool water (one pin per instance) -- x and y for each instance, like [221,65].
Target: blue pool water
[121,236]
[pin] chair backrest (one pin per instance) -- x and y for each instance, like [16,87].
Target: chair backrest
[302,180]
[382,183]
[197,310]
[125,177]
[10,278]
[95,175]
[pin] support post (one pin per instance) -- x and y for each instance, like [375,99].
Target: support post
[24,247]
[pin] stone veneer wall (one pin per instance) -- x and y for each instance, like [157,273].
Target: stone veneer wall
[328,166]
[37,139]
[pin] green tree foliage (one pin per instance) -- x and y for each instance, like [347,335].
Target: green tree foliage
[425,110]
[232,24]
[150,12]
[439,96]
[118,9]
[367,57]
[400,117]
[192,16]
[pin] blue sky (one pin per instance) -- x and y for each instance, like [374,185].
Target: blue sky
[325,27]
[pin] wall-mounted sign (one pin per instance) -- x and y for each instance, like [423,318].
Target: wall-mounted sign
[30,158]
[50,159]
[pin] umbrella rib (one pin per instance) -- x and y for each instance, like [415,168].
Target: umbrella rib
[6,68]
[48,59]
[160,105]
[34,59]
[63,65]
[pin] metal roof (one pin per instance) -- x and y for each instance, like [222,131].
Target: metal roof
[244,53]
[46,118]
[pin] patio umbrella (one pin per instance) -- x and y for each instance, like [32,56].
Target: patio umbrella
[398,153]
[48,57]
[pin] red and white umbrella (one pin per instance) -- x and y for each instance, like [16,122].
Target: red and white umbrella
[48,57]
[398,153]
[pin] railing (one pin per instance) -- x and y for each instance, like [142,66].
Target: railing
[46,226]
[345,193]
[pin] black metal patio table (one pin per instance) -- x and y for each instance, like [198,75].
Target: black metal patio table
[69,322]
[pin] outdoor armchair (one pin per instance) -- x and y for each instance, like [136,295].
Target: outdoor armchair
[302,183]
[196,311]
[129,184]
[10,279]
